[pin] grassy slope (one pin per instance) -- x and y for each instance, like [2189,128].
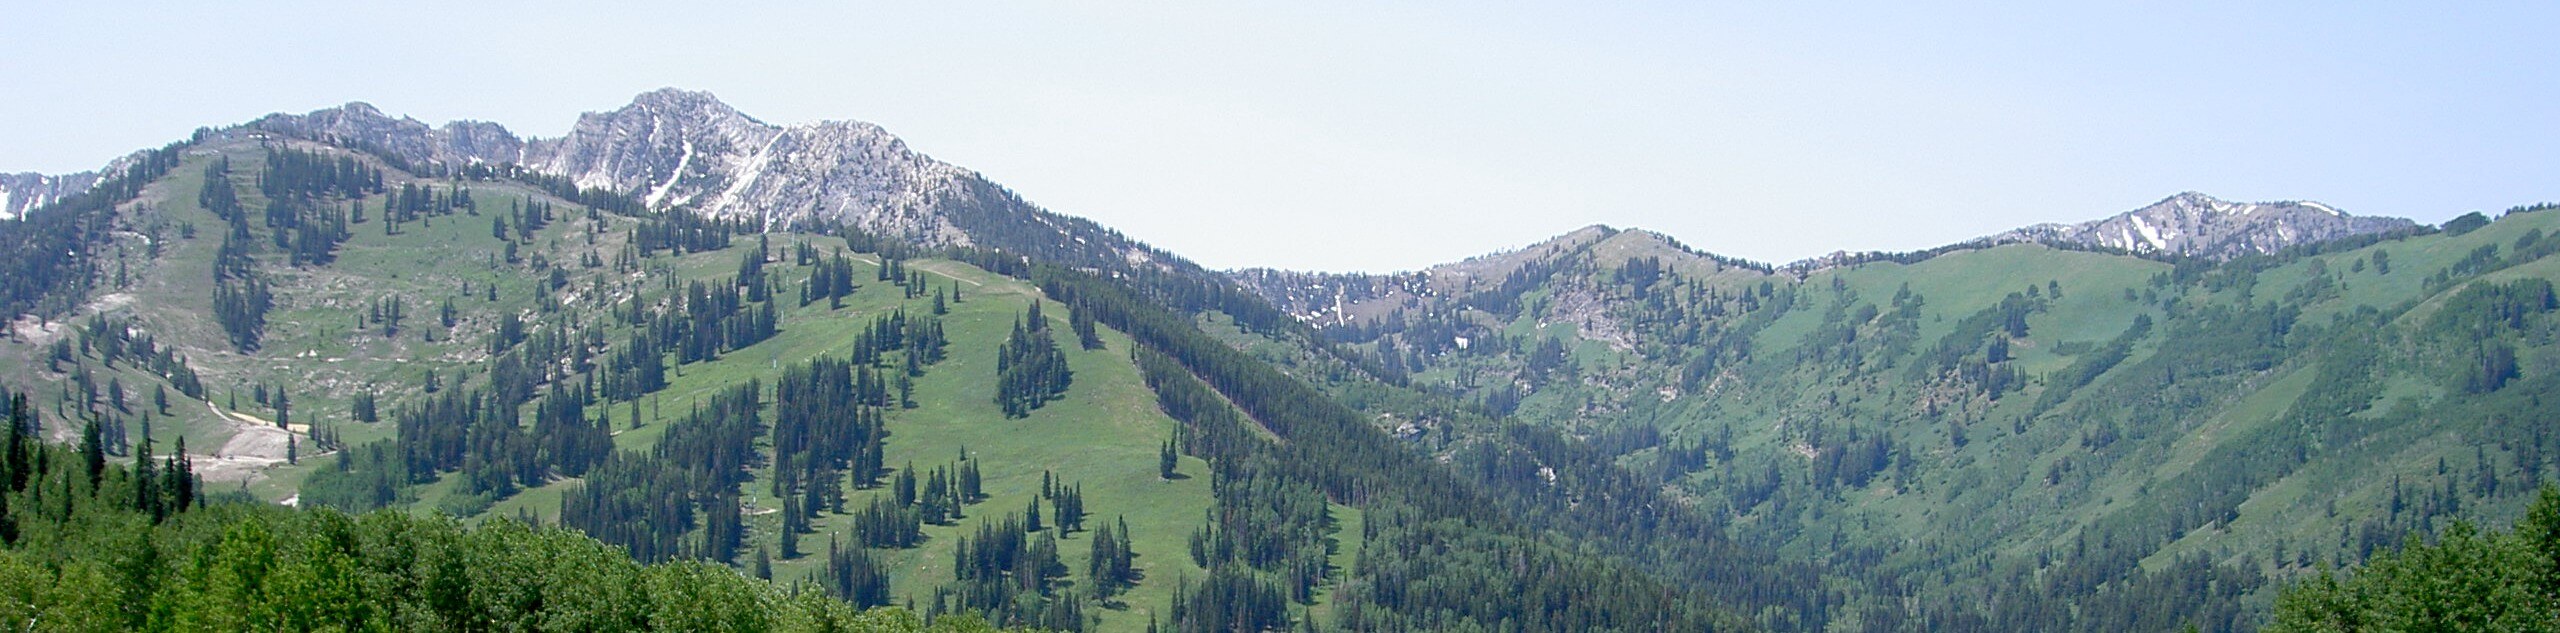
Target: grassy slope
[1104,433]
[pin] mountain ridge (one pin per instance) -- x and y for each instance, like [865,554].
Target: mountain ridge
[2187,224]
[2197,225]
[684,149]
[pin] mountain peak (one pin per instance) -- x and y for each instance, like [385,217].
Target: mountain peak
[697,105]
[2194,224]
[361,109]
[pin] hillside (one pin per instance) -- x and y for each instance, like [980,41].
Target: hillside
[322,350]
[2147,442]
[325,324]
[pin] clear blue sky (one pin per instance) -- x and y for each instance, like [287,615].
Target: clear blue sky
[1349,136]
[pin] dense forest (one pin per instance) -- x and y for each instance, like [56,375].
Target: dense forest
[93,546]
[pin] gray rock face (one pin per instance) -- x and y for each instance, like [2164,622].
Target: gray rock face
[678,149]
[360,125]
[22,192]
[2194,224]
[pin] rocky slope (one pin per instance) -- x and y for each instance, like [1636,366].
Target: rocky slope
[23,191]
[2194,224]
[676,149]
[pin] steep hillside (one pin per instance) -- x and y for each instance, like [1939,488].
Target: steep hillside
[2150,443]
[401,317]
[315,321]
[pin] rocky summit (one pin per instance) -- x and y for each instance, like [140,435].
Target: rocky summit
[686,150]
[2198,225]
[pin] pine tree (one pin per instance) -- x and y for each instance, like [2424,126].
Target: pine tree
[1030,369]
[93,452]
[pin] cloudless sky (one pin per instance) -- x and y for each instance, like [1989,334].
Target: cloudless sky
[1357,136]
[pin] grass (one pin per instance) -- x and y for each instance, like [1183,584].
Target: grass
[1104,433]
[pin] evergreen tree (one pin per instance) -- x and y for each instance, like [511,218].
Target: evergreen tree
[1030,369]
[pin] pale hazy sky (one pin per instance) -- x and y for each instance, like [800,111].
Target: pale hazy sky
[1350,136]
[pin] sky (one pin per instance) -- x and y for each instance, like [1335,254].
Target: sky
[1391,136]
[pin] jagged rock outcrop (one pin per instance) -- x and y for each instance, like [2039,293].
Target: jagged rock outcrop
[677,148]
[686,150]
[25,191]
[2197,225]
[361,126]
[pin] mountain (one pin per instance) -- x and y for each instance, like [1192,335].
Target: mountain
[1018,414]
[675,149]
[23,191]
[2196,225]
[2020,435]
[1335,299]
[2188,224]
[692,335]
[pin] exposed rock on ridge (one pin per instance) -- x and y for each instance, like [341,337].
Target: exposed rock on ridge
[22,192]
[2197,225]
[682,149]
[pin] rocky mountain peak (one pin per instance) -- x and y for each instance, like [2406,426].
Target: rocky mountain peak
[2198,225]
[360,125]
[681,104]
[687,150]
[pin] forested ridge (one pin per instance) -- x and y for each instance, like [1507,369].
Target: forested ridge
[2027,438]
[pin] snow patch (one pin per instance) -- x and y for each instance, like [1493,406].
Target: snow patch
[2149,234]
[660,193]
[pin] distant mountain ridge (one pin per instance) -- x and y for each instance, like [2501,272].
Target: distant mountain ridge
[685,149]
[2188,224]
[1342,298]
[2197,225]
[679,149]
